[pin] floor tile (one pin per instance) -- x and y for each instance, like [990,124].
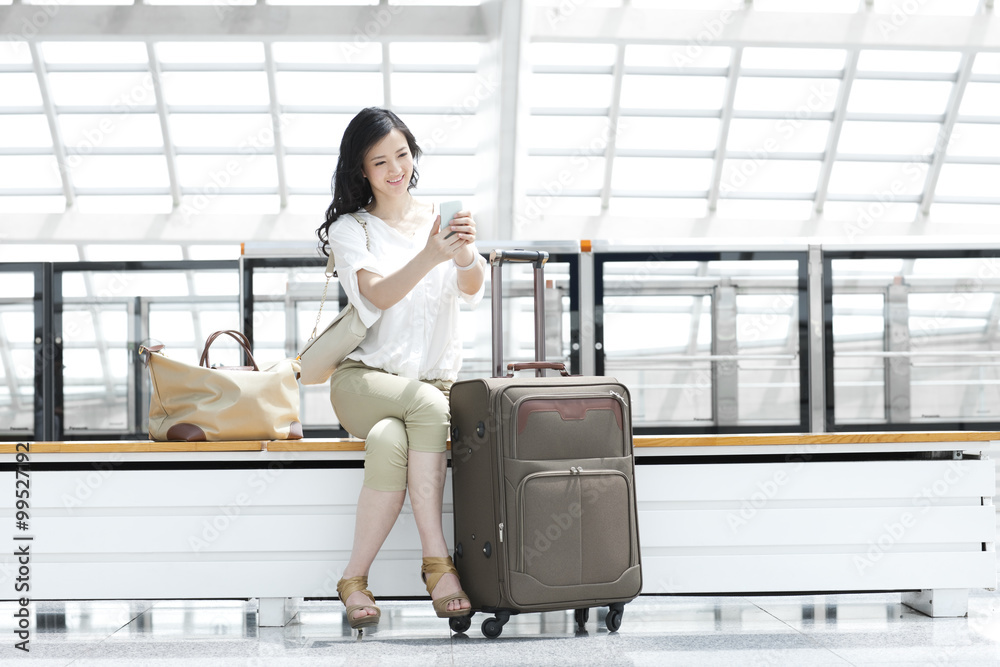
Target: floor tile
[771,631]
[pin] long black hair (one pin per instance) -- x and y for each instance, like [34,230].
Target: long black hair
[351,190]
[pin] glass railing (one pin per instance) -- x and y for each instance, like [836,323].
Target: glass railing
[20,324]
[706,341]
[914,338]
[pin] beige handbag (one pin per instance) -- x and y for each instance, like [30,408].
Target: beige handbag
[199,403]
[322,354]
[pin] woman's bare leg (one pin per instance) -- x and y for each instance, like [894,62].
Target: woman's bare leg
[425,477]
[376,514]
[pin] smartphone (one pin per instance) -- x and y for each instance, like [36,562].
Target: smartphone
[448,210]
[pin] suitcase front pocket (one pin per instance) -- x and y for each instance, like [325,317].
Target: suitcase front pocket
[583,426]
[575,527]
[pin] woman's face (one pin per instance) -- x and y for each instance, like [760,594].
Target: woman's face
[388,166]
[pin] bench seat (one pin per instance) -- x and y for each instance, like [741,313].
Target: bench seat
[273,520]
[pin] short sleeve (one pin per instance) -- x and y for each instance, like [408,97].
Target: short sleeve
[349,245]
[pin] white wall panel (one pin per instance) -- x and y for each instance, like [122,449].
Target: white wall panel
[223,579]
[704,528]
[817,526]
[794,530]
[273,484]
[840,480]
[816,572]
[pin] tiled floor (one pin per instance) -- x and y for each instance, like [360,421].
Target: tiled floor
[864,629]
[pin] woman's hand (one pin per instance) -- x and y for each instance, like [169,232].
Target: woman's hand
[471,271]
[465,229]
[385,292]
[456,241]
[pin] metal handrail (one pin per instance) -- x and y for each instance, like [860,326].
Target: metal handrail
[957,364]
[921,353]
[706,357]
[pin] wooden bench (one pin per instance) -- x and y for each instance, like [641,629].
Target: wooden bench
[273,520]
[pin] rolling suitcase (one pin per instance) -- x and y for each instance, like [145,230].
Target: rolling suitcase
[542,474]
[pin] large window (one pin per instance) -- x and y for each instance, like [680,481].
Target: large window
[706,342]
[109,309]
[914,338]
[281,314]
[20,292]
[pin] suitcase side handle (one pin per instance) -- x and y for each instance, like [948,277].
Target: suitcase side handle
[537,365]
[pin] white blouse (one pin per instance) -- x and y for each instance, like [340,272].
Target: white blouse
[418,336]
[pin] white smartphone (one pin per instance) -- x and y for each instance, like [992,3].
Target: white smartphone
[448,210]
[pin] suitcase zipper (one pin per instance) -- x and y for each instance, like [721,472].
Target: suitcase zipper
[502,559]
[573,470]
[626,424]
[592,394]
[626,429]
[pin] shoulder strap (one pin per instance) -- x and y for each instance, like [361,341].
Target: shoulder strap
[331,264]
[364,226]
[331,272]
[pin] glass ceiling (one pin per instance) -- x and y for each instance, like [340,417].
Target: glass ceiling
[604,126]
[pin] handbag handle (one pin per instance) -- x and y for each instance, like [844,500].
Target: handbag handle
[240,338]
[331,272]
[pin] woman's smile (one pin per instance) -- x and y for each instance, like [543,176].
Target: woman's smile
[388,166]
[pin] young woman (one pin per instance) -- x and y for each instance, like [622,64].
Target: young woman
[406,278]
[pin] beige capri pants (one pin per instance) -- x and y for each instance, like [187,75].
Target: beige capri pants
[393,415]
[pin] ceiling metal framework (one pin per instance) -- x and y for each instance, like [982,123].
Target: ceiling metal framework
[727,118]
[857,34]
[951,115]
[501,187]
[839,115]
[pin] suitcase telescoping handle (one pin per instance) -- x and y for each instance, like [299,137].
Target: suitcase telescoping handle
[526,365]
[497,259]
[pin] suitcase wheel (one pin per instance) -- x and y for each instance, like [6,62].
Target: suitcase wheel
[460,623]
[581,616]
[614,617]
[493,626]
